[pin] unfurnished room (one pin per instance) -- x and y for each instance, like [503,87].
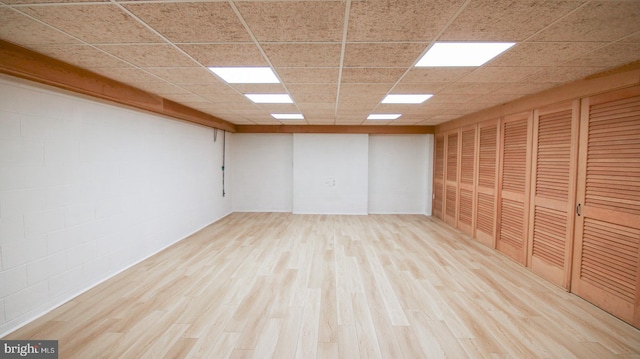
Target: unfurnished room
[319,179]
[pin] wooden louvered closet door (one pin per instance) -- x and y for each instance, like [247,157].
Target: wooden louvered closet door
[466,184]
[555,142]
[485,218]
[451,179]
[438,178]
[606,266]
[513,210]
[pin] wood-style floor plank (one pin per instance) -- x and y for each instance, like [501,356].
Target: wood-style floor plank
[278,285]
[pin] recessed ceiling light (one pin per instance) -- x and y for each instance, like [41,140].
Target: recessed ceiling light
[246,75]
[406,98]
[269,98]
[462,53]
[288,116]
[387,116]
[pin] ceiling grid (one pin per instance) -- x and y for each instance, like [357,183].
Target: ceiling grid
[337,59]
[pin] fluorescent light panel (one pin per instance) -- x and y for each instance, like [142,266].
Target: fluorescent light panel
[288,116]
[444,54]
[246,75]
[384,116]
[269,98]
[406,98]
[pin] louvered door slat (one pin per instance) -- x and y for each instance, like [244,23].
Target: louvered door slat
[515,156]
[487,157]
[451,179]
[451,202]
[512,224]
[623,127]
[465,210]
[467,156]
[438,190]
[438,177]
[466,184]
[604,265]
[549,239]
[485,214]
[439,154]
[606,268]
[617,135]
[554,164]
[452,157]
[514,188]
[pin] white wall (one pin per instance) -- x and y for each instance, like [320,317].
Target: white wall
[88,189]
[398,173]
[330,173]
[398,177]
[262,172]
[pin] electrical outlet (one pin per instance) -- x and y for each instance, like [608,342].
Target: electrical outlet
[330,182]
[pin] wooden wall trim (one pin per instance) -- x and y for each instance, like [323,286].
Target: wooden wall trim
[590,86]
[391,130]
[22,63]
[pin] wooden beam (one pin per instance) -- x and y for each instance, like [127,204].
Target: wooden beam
[20,62]
[395,130]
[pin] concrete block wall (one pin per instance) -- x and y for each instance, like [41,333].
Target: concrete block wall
[88,189]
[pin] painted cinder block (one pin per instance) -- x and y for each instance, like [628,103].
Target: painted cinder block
[46,267]
[23,250]
[66,283]
[43,222]
[20,202]
[88,175]
[13,280]
[64,239]
[9,125]
[23,301]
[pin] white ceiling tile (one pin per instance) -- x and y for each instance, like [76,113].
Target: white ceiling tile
[382,55]
[294,21]
[225,55]
[95,23]
[595,21]
[505,20]
[188,22]
[303,54]
[399,20]
[23,30]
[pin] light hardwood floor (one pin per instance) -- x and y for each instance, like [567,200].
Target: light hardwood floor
[380,286]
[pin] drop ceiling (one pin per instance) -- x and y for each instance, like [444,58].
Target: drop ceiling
[336,59]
